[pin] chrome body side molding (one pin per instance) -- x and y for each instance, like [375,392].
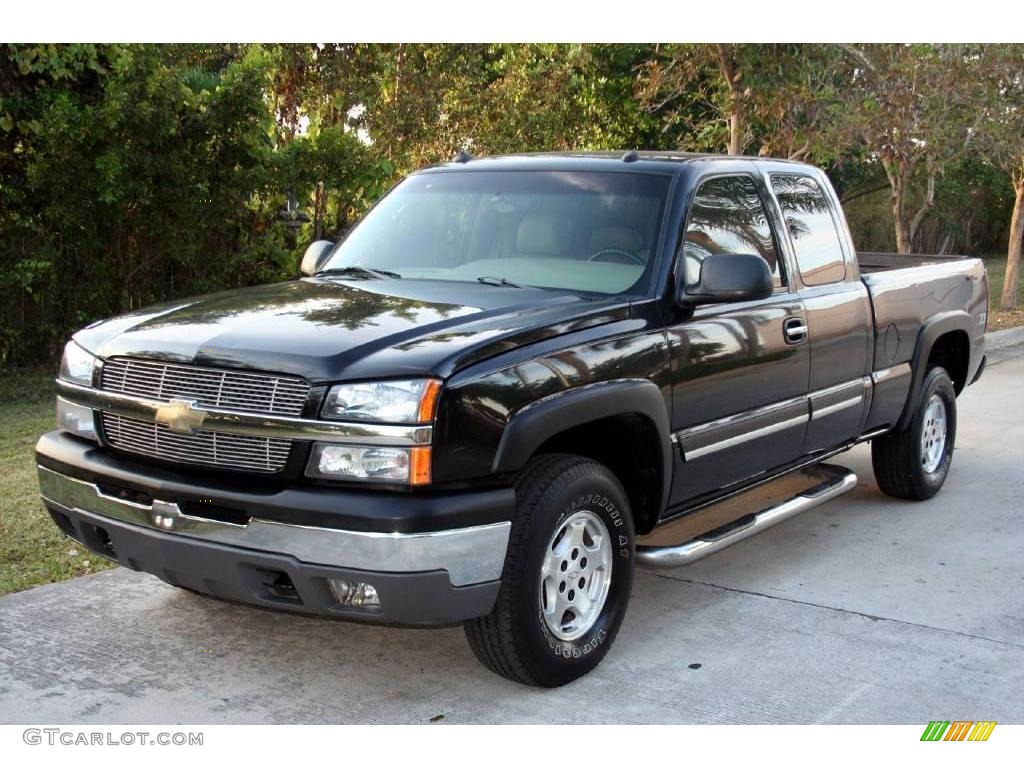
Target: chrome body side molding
[853,402]
[888,374]
[720,434]
[848,394]
[713,436]
[889,396]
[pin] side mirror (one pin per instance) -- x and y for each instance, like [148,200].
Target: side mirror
[728,277]
[313,256]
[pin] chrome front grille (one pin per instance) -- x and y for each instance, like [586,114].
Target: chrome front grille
[209,387]
[254,454]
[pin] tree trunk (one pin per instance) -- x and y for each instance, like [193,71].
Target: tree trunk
[927,205]
[727,66]
[904,237]
[1012,277]
[735,127]
[898,180]
[319,210]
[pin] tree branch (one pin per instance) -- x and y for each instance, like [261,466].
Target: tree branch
[858,54]
[863,193]
[929,200]
[801,152]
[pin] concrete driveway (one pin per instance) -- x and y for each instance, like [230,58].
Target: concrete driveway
[867,610]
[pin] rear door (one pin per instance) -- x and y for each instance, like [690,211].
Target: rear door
[836,305]
[739,375]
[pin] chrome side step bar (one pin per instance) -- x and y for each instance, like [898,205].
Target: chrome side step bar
[836,482]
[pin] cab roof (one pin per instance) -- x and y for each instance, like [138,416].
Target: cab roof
[639,161]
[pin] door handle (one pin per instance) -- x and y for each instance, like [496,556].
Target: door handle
[794,329]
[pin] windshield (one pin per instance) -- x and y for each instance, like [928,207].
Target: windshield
[580,231]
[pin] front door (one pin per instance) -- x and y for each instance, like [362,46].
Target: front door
[740,371]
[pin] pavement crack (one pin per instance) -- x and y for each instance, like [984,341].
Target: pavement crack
[810,604]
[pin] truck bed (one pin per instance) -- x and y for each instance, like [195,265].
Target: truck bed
[909,290]
[882,262]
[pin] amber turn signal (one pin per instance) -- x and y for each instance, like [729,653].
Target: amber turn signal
[428,401]
[419,465]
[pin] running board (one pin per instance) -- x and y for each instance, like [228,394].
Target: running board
[836,482]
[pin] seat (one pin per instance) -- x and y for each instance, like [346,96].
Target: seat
[543,234]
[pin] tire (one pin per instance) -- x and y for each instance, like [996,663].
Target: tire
[905,461]
[568,497]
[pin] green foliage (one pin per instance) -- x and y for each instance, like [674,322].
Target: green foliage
[784,97]
[131,174]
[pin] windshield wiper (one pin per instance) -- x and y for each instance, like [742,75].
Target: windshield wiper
[357,270]
[488,280]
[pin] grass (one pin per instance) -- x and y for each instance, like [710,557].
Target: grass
[33,551]
[998,319]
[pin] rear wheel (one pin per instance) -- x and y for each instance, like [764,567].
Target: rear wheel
[567,576]
[912,463]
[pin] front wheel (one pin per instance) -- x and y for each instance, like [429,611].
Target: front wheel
[912,463]
[567,576]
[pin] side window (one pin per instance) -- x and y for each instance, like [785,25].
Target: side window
[728,216]
[808,215]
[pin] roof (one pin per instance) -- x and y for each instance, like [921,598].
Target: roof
[639,161]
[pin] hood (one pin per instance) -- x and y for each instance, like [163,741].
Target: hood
[328,329]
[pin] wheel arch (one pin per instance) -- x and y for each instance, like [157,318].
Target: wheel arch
[623,424]
[944,339]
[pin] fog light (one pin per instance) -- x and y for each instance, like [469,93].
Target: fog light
[76,419]
[354,594]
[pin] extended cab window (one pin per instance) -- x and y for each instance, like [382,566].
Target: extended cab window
[808,215]
[573,230]
[728,216]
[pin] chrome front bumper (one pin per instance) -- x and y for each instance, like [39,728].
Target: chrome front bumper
[468,555]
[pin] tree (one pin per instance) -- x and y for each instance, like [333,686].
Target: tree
[797,103]
[1002,139]
[429,101]
[696,90]
[136,173]
[777,99]
[911,107]
[132,174]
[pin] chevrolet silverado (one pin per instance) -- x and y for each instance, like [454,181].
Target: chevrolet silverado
[471,406]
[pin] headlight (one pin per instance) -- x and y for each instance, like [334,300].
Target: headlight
[76,365]
[409,401]
[384,464]
[397,402]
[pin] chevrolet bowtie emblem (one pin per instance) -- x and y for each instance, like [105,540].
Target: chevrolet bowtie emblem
[181,416]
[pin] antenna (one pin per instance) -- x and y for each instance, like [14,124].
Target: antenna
[631,157]
[462,156]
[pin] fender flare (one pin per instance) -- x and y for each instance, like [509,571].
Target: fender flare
[531,426]
[933,328]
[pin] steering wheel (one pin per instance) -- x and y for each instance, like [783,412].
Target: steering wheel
[631,256]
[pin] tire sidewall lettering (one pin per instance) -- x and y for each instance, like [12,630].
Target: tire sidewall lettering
[571,650]
[612,515]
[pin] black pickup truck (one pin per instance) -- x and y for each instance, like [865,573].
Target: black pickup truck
[470,407]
